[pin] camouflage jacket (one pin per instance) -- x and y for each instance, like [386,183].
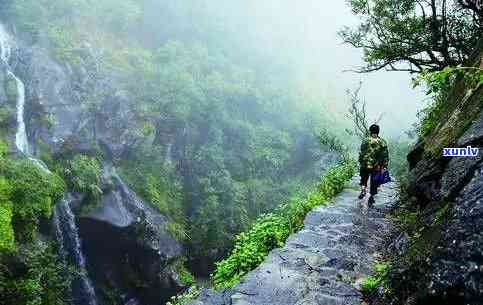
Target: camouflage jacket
[373,152]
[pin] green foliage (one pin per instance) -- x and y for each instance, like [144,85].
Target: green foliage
[411,35]
[408,220]
[223,121]
[157,184]
[430,116]
[185,276]
[63,44]
[398,151]
[439,84]
[192,293]
[6,118]
[7,238]
[271,230]
[84,174]
[39,277]
[332,142]
[34,192]
[380,277]
[27,194]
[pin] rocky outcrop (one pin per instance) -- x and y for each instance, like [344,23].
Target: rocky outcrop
[321,264]
[443,263]
[129,249]
[74,107]
[130,255]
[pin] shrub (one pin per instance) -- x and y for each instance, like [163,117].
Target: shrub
[272,230]
[439,84]
[33,194]
[184,275]
[191,294]
[7,239]
[380,277]
[38,278]
[84,174]
[157,185]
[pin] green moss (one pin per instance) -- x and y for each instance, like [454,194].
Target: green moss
[408,220]
[380,277]
[443,215]
[424,238]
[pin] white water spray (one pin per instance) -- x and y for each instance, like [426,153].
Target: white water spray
[70,247]
[5,54]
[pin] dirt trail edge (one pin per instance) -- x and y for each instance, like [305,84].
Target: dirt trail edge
[321,263]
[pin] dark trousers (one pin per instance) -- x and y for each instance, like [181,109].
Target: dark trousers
[365,175]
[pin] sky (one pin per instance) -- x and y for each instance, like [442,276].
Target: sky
[305,32]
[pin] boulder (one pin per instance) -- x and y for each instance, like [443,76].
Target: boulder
[128,247]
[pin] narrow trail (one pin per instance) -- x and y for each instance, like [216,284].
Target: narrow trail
[321,263]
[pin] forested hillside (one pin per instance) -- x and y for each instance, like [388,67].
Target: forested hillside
[139,121]
[152,149]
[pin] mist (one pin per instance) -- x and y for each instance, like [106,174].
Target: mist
[303,36]
[146,139]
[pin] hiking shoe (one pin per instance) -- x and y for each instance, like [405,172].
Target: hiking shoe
[371,201]
[362,194]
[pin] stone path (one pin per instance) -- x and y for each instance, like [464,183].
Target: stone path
[321,263]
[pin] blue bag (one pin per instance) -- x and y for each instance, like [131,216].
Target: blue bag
[381,177]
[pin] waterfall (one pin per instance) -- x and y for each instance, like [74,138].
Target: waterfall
[5,54]
[70,247]
[66,231]
[21,135]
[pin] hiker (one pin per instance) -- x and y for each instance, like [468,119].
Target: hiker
[373,157]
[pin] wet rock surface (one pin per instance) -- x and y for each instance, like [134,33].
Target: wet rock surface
[321,263]
[443,262]
[126,239]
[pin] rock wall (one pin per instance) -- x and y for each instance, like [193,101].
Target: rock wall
[129,250]
[131,256]
[443,262]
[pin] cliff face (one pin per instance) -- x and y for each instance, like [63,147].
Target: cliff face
[442,263]
[128,251]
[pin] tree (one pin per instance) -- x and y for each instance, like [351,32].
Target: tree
[475,5]
[414,35]
[358,115]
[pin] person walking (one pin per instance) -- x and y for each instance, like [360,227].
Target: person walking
[373,157]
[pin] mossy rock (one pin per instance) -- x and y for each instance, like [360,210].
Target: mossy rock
[456,120]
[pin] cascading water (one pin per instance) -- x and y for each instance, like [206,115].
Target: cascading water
[63,219]
[69,241]
[6,51]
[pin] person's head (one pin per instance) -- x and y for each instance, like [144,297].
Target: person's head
[374,129]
